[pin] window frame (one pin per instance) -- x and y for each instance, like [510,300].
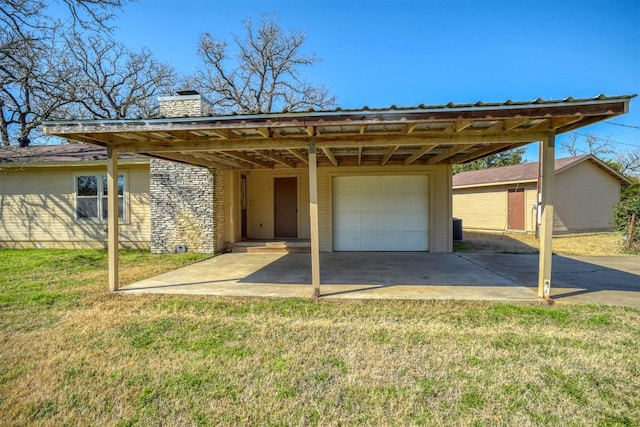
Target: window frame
[101,190]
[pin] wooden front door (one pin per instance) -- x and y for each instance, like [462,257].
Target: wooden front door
[286,207]
[516,209]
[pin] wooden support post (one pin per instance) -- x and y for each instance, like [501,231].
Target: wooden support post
[546,227]
[112,212]
[313,212]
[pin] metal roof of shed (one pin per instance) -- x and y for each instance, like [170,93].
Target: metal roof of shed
[526,172]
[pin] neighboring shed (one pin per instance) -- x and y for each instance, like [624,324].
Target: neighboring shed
[54,196]
[500,199]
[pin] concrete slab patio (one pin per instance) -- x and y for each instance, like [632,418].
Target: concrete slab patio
[373,275]
[408,275]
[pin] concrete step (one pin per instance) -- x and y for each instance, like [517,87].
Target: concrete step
[272,246]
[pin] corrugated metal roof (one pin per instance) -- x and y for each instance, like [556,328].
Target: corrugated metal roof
[422,108]
[522,172]
[435,134]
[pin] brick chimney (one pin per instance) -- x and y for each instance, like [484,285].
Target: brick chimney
[187,103]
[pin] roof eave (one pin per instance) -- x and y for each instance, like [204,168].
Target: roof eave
[495,184]
[71,163]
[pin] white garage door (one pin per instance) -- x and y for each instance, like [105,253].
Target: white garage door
[380,213]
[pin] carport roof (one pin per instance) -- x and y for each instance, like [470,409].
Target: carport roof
[425,134]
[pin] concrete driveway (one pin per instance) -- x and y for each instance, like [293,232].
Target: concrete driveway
[405,275]
[612,280]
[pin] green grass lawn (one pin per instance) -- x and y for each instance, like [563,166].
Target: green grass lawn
[73,354]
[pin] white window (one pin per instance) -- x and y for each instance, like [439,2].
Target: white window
[91,197]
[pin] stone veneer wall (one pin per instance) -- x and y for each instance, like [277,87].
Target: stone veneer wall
[182,207]
[218,210]
[187,202]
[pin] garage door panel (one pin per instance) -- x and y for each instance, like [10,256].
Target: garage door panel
[369,204]
[393,240]
[414,241]
[394,224]
[349,221]
[380,213]
[369,222]
[415,222]
[414,205]
[347,241]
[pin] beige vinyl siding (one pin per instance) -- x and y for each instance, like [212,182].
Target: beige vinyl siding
[584,199]
[37,206]
[487,208]
[481,208]
[260,209]
[260,197]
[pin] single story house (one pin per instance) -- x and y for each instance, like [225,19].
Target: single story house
[348,180]
[55,197]
[505,198]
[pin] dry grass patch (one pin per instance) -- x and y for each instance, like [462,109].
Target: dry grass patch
[104,359]
[587,244]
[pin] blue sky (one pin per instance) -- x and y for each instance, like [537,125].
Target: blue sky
[378,53]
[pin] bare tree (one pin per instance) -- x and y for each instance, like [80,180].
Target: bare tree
[34,72]
[114,82]
[32,88]
[626,162]
[93,15]
[599,147]
[260,72]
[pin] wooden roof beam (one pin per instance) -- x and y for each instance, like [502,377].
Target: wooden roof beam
[497,125]
[264,132]
[249,159]
[90,139]
[277,158]
[349,141]
[490,149]
[558,122]
[222,133]
[387,156]
[330,155]
[542,123]
[310,130]
[511,124]
[216,159]
[448,153]
[190,160]
[410,127]
[299,154]
[460,125]
[133,136]
[163,136]
[421,152]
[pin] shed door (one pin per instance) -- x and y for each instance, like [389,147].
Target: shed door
[380,213]
[516,209]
